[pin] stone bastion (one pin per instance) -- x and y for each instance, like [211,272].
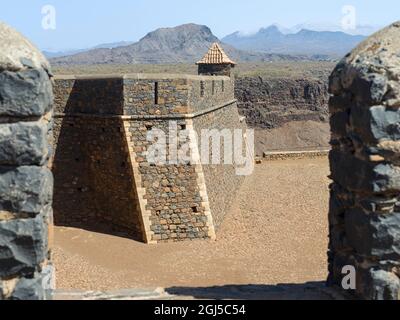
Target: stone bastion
[100,166]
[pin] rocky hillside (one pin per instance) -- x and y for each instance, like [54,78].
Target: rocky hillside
[185,43]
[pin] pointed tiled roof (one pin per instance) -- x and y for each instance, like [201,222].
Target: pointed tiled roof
[216,55]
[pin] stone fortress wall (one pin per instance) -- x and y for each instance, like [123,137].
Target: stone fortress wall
[364,213]
[102,177]
[364,207]
[26,183]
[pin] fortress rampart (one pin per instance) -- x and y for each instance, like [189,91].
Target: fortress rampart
[102,176]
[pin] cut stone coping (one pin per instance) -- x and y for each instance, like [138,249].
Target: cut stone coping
[175,116]
[282,155]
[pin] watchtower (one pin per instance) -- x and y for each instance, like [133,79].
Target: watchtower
[216,62]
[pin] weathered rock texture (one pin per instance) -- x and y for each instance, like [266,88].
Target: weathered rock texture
[365,163]
[269,103]
[26,184]
[102,175]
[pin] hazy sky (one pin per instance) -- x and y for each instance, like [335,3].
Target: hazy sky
[85,23]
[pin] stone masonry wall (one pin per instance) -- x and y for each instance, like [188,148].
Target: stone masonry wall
[175,200]
[102,175]
[172,203]
[26,183]
[222,180]
[94,187]
[365,195]
[215,69]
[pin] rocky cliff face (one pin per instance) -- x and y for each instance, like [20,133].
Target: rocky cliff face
[270,103]
[287,114]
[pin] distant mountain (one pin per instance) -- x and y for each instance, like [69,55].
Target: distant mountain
[363,30]
[56,54]
[113,45]
[183,44]
[305,42]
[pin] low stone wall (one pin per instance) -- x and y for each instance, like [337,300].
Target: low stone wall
[295,155]
[364,211]
[26,183]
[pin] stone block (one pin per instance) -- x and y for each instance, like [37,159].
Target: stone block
[23,245]
[372,234]
[369,88]
[25,189]
[376,123]
[363,176]
[377,284]
[365,83]
[23,143]
[26,93]
[30,289]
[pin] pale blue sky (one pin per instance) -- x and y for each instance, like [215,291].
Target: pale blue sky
[85,23]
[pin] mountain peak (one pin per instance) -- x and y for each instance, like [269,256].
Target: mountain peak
[187,30]
[182,44]
[303,42]
[272,29]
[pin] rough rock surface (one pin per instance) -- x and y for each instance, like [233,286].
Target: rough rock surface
[23,143]
[26,184]
[25,93]
[270,103]
[18,53]
[365,202]
[288,114]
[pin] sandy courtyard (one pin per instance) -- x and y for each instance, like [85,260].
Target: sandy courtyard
[276,232]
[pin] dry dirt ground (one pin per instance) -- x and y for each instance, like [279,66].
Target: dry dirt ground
[294,136]
[275,233]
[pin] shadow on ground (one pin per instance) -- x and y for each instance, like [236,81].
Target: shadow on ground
[306,291]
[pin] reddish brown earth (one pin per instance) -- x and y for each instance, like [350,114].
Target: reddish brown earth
[276,232]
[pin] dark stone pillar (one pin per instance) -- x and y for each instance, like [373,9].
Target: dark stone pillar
[26,183]
[364,211]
